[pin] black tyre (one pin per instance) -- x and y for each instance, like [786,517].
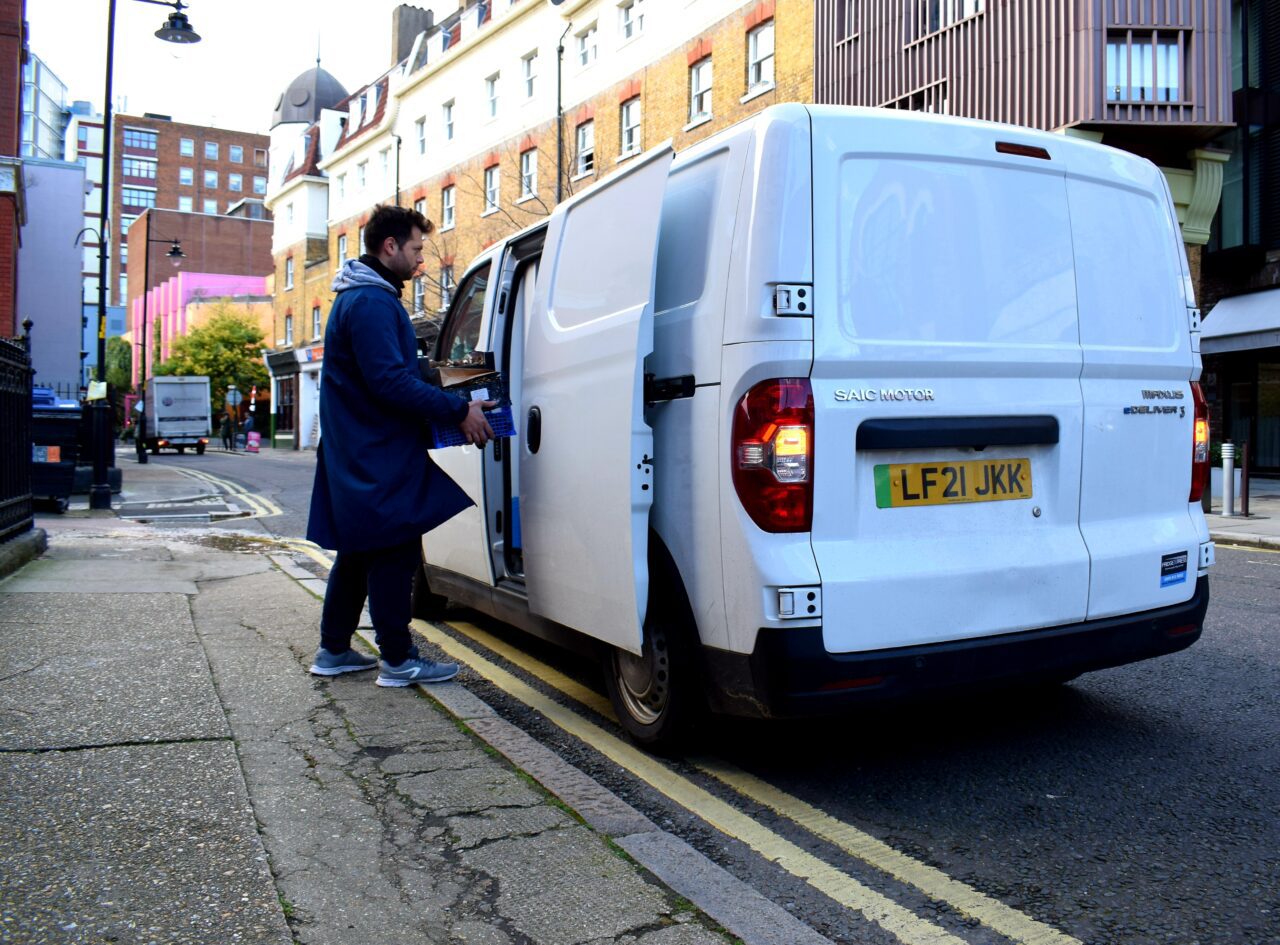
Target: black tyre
[155,451]
[199,449]
[657,695]
[424,603]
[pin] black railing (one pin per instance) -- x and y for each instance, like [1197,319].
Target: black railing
[15,441]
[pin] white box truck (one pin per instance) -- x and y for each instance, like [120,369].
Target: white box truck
[839,405]
[177,414]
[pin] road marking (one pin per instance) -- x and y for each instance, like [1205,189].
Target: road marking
[880,909]
[310,549]
[933,882]
[261,506]
[1250,548]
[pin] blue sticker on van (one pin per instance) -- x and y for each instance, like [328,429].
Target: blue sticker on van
[1173,569]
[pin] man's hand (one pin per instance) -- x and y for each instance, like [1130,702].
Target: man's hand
[474,426]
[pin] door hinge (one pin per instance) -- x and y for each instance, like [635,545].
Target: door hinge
[659,389]
[795,299]
[1193,321]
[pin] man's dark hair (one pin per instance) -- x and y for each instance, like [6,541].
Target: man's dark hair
[398,222]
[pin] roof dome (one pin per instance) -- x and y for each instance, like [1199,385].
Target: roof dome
[306,96]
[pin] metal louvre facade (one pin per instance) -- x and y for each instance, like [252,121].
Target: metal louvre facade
[1047,64]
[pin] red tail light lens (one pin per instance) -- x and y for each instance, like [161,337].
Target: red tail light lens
[772,455]
[1199,446]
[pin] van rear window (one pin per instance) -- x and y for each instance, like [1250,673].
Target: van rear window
[931,251]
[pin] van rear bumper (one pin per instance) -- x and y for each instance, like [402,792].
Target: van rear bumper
[791,674]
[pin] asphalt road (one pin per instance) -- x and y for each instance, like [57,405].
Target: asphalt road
[1136,805]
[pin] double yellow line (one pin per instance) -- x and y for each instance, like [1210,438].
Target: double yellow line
[260,506]
[904,924]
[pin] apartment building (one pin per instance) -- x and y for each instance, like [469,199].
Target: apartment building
[44,111]
[163,164]
[462,126]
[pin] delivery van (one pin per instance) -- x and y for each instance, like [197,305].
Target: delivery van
[838,405]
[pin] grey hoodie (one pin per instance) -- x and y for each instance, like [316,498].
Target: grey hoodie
[355,274]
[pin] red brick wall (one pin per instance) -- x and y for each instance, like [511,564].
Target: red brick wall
[169,161]
[12,42]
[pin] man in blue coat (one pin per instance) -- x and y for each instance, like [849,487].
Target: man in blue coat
[376,490]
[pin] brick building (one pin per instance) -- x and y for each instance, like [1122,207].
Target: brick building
[12,55]
[156,162]
[462,126]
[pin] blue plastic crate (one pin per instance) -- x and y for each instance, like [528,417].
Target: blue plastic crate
[494,387]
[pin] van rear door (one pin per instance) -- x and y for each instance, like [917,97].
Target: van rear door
[586,478]
[948,414]
[1138,366]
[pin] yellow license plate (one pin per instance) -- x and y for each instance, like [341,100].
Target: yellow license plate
[899,485]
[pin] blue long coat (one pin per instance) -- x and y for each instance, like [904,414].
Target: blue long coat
[375,484]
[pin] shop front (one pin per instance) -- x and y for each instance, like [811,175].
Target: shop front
[1240,346]
[284,369]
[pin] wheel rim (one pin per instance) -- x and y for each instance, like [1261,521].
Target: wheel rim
[644,681]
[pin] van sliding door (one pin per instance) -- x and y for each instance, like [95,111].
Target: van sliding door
[586,475]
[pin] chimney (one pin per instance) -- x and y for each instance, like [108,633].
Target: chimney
[406,23]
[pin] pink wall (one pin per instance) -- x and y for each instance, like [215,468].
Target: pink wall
[167,304]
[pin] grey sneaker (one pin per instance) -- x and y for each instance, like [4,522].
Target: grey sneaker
[416,670]
[332,664]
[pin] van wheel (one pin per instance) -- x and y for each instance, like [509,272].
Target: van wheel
[655,694]
[200,449]
[424,603]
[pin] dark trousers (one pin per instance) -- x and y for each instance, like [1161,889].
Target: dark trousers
[385,576]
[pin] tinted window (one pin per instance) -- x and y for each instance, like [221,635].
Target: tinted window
[461,334]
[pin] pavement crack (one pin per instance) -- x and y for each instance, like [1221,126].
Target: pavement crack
[24,672]
[137,743]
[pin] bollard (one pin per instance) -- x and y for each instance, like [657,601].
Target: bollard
[1228,480]
[1244,480]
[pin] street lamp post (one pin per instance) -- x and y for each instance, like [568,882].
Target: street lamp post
[176,29]
[175,256]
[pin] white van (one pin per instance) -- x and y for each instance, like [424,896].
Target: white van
[837,405]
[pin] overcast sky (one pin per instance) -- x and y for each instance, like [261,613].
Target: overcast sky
[250,51]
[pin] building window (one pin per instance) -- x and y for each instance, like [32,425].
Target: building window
[446,207]
[1143,68]
[760,57]
[235,182]
[288,319]
[629,121]
[631,15]
[137,197]
[528,173]
[288,213]
[342,185]
[186,176]
[446,286]
[139,140]
[259,185]
[140,168]
[342,248]
[288,273]
[492,182]
[447,108]
[185,204]
[420,131]
[529,72]
[844,19]
[360,239]
[211,179]
[586,139]
[587,46]
[237,154]
[420,206]
[126,221]
[187,147]
[124,285]
[211,206]
[259,157]
[211,150]
[419,293]
[315,322]
[384,163]
[933,15]
[700,89]
[362,174]
[491,94]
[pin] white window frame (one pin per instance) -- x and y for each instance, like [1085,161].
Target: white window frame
[288,212]
[384,162]
[448,211]
[529,72]
[588,45]
[419,295]
[420,205]
[342,248]
[211,179]
[528,173]
[259,184]
[342,185]
[701,78]
[187,147]
[288,272]
[584,137]
[211,150]
[631,19]
[186,204]
[187,176]
[288,327]
[491,93]
[447,112]
[362,174]
[447,285]
[420,129]
[758,64]
[235,183]
[492,189]
[315,322]
[629,125]
[236,153]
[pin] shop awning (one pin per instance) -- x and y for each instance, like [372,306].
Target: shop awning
[1242,323]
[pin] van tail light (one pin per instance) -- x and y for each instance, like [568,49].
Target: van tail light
[773,454]
[1200,445]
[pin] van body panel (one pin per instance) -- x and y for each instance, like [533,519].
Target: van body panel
[944,289]
[584,522]
[773,241]
[755,563]
[1138,365]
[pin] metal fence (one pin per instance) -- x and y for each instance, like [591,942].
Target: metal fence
[15,440]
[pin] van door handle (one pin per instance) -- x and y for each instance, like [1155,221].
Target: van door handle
[533,431]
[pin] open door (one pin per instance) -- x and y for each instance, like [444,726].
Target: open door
[586,478]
